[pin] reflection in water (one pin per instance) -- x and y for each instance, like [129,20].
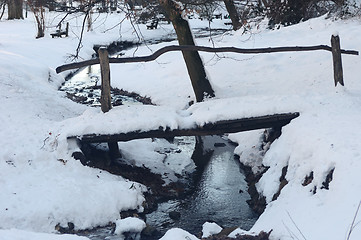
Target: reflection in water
[217,196]
[84,87]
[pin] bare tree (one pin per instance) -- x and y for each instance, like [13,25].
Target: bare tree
[37,7]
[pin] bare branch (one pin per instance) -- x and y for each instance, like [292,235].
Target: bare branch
[353,222]
[299,230]
[80,45]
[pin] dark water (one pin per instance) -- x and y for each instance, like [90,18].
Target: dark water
[84,87]
[220,195]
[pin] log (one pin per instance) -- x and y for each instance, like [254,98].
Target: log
[161,51]
[217,128]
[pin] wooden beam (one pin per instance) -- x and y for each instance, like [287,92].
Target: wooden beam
[220,127]
[163,50]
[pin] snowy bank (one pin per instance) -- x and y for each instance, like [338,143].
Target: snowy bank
[15,234]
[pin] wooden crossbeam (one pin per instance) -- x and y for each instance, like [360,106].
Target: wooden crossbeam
[216,128]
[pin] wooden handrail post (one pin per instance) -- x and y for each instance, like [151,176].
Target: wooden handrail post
[67,30]
[337,61]
[105,97]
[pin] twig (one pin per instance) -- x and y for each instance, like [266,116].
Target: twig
[44,142]
[66,15]
[289,215]
[80,45]
[292,235]
[353,225]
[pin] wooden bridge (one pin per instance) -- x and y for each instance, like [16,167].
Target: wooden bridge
[277,120]
[216,128]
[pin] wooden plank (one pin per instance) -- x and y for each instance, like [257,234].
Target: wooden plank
[166,49]
[220,127]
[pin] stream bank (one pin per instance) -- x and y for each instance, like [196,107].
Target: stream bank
[215,192]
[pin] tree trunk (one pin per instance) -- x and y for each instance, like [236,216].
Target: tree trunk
[90,21]
[233,14]
[40,20]
[15,9]
[2,5]
[39,14]
[201,85]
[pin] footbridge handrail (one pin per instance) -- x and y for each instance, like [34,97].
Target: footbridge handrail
[173,48]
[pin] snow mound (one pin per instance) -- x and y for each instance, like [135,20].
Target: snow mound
[130,224]
[209,229]
[178,234]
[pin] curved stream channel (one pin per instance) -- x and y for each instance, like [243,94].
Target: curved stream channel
[219,191]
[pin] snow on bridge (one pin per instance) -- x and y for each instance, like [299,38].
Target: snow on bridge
[219,116]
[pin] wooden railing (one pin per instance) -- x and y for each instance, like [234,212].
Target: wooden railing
[334,48]
[104,60]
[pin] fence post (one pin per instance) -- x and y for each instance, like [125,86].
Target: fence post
[337,62]
[105,97]
[67,30]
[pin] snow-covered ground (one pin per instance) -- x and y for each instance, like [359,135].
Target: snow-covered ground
[43,186]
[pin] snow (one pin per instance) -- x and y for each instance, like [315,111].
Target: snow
[178,234]
[210,228]
[249,148]
[123,119]
[130,224]
[15,234]
[42,185]
[239,231]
